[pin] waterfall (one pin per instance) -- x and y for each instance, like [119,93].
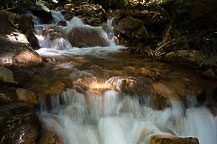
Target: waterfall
[114,118]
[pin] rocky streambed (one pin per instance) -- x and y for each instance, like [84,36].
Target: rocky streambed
[108,93]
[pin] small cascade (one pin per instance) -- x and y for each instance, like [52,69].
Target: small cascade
[76,38]
[106,113]
[114,118]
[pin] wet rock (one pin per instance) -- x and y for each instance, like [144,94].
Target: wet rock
[18,124]
[86,37]
[133,85]
[57,88]
[43,88]
[15,48]
[161,99]
[164,139]
[32,40]
[176,89]
[26,26]
[26,95]
[50,137]
[209,73]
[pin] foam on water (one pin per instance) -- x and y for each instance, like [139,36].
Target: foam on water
[114,118]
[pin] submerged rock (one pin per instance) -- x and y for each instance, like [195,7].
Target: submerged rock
[164,139]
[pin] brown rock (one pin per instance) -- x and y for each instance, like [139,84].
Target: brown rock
[94,21]
[161,97]
[57,88]
[164,139]
[209,73]
[86,37]
[15,48]
[50,137]
[135,86]
[68,7]
[178,88]
[26,96]
[128,26]
[27,57]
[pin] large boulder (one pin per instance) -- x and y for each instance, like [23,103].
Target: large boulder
[15,48]
[18,124]
[84,36]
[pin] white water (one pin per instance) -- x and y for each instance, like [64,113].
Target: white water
[112,117]
[61,47]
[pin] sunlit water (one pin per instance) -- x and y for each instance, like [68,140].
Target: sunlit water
[111,117]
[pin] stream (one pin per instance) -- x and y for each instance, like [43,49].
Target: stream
[104,113]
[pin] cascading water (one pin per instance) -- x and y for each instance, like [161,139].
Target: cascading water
[61,46]
[103,114]
[112,118]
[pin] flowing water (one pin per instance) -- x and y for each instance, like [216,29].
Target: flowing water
[103,114]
